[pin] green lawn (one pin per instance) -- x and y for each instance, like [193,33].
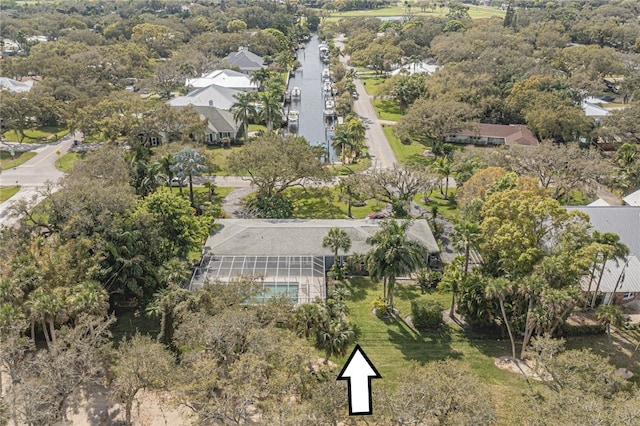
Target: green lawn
[391,344]
[405,153]
[218,155]
[7,192]
[349,169]
[256,127]
[371,84]
[323,203]
[474,11]
[447,208]
[39,134]
[66,162]
[386,109]
[9,162]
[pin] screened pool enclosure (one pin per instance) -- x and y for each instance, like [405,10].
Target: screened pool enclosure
[299,278]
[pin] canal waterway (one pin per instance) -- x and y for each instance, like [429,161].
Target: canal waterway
[312,125]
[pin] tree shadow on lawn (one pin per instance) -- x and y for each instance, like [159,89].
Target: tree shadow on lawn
[421,346]
[358,286]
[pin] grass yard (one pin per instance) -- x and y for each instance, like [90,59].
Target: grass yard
[371,84]
[323,203]
[257,127]
[405,153]
[218,155]
[39,134]
[447,208]
[391,344]
[386,109]
[349,169]
[474,12]
[7,192]
[9,162]
[68,160]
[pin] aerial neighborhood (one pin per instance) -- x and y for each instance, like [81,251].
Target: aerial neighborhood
[320,212]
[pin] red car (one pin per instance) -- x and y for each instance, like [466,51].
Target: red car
[378,215]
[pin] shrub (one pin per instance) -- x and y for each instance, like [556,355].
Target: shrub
[383,309]
[426,314]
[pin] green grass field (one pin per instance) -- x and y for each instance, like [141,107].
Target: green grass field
[66,162]
[323,203]
[447,207]
[474,11]
[405,153]
[8,162]
[7,192]
[371,84]
[219,155]
[391,344]
[39,134]
[386,109]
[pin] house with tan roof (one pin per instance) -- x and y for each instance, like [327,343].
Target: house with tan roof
[494,134]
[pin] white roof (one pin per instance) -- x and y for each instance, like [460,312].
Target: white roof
[592,110]
[633,199]
[15,86]
[599,202]
[594,100]
[417,68]
[213,96]
[622,276]
[223,78]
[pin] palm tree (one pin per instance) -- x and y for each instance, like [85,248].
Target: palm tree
[243,109]
[260,77]
[610,315]
[334,337]
[529,288]
[499,288]
[451,281]
[166,163]
[191,163]
[356,131]
[442,166]
[46,307]
[466,236]
[337,239]
[616,250]
[88,298]
[393,255]
[340,140]
[270,112]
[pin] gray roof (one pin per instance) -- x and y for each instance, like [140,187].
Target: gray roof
[214,96]
[623,275]
[244,60]
[262,237]
[633,199]
[219,120]
[621,220]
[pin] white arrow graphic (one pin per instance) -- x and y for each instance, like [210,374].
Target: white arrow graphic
[359,371]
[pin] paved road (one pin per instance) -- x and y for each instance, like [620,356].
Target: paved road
[32,175]
[381,153]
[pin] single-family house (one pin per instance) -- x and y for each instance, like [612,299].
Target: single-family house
[223,78]
[15,86]
[212,96]
[288,254]
[247,62]
[422,67]
[494,134]
[222,128]
[594,111]
[620,279]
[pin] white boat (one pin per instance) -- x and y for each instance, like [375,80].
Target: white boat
[295,93]
[327,89]
[329,112]
[329,104]
[326,74]
[293,116]
[324,52]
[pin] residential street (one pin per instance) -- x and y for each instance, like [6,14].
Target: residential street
[381,153]
[33,175]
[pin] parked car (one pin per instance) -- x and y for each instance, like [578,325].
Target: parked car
[377,215]
[355,95]
[176,181]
